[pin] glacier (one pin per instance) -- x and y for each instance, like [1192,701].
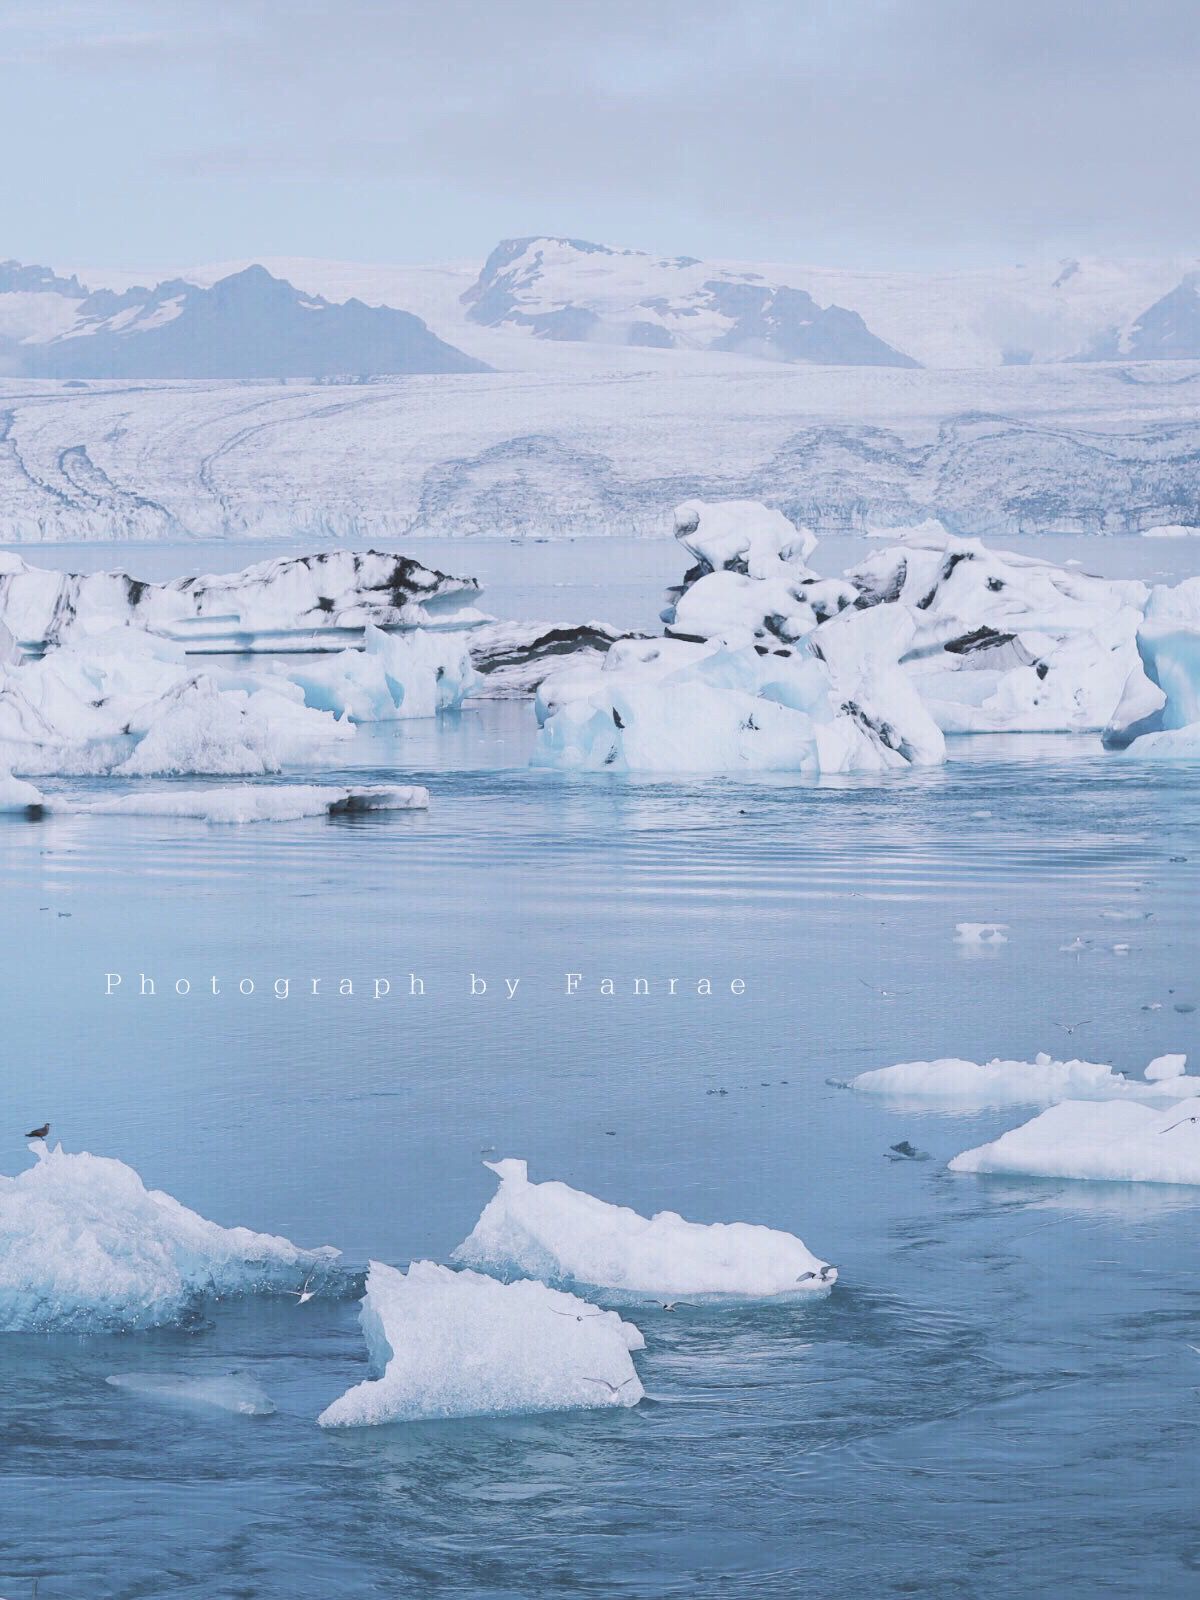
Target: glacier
[564,1236]
[446,1343]
[85,1247]
[1107,1142]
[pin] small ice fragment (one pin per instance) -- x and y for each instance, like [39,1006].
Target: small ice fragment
[1163,1067]
[445,1343]
[981,932]
[231,1391]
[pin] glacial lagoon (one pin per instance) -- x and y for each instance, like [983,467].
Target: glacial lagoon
[1000,1359]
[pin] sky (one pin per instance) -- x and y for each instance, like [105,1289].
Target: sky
[867,133]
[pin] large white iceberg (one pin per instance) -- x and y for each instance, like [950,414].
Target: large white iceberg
[445,1343]
[561,1235]
[744,680]
[1112,1141]
[275,802]
[86,1247]
[1004,643]
[1041,1082]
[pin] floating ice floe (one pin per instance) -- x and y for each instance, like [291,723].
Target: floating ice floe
[1041,1082]
[276,802]
[444,1343]
[232,1391]
[981,932]
[744,679]
[86,1247]
[561,1235]
[1115,1142]
[1159,717]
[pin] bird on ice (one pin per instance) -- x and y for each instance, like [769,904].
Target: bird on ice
[39,1133]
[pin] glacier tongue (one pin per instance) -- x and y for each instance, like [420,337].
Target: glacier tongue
[85,1247]
[446,1343]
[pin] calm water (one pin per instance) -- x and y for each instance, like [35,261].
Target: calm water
[997,1398]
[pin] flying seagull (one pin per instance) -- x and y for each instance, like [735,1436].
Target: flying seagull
[671,1305]
[39,1133]
[578,1318]
[1179,1124]
[304,1295]
[613,1388]
[1070,1027]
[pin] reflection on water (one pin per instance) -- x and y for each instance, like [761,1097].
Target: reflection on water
[997,1398]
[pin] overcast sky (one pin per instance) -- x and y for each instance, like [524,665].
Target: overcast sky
[889,133]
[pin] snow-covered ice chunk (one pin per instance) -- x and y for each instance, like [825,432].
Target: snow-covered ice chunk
[1163,1068]
[981,932]
[277,802]
[232,1391]
[18,796]
[1171,530]
[394,675]
[1161,718]
[560,1234]
[446,1343]
[1113,1142]
[86,1247]
[1042,1082]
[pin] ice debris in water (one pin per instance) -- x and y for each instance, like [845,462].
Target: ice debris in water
[559,1234]
[86,1247]
[415,674]
[276,802]
[1041,1082]
[981,932]
[1114,1142]
[232,1391]
[445,1343]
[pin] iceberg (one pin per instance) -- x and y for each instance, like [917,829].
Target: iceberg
[561,1235]
[394,675]
[762,668]
[1004,643]
[85,1247]
[318,601]
[1041,1082]
[444,1343]
[1159,716]
[232,1391]
[282,802]
[1113,1142]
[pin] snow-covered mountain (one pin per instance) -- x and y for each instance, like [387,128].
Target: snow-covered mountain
[572,290]
[247,325]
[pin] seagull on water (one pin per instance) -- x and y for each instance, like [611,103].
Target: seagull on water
[39,1133]
[613,1388]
